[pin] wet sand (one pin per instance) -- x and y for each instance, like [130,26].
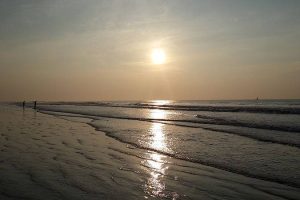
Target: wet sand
[48,157]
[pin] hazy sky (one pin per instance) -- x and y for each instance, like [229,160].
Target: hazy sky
[101,50]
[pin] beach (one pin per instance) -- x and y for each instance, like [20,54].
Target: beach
[60,157]
[140,99]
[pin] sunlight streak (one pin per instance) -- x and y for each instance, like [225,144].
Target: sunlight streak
[158,114]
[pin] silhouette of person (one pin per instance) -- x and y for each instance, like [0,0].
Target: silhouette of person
[23,104]
[34,105]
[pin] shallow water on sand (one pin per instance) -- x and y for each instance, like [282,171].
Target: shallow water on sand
[259,139]
[47,157]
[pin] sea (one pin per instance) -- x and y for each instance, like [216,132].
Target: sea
[254,138]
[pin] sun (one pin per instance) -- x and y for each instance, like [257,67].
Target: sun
[158,56]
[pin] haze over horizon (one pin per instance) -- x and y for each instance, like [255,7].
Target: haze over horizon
[103,50]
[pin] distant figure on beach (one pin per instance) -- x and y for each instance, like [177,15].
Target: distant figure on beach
[34,106]
[23,104]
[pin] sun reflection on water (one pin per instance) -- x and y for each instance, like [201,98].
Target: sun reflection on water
[158,138]
[158,114]
[161,102]
[155,185]
[157,163]
[157,133]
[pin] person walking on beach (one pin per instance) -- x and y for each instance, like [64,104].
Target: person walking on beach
[23,104]
[34,106]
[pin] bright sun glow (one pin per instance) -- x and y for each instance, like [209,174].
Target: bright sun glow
[158,56]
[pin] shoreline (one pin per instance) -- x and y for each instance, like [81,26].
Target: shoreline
[54,151]
[242,173]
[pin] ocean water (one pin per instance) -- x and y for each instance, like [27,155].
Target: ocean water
[255,138]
